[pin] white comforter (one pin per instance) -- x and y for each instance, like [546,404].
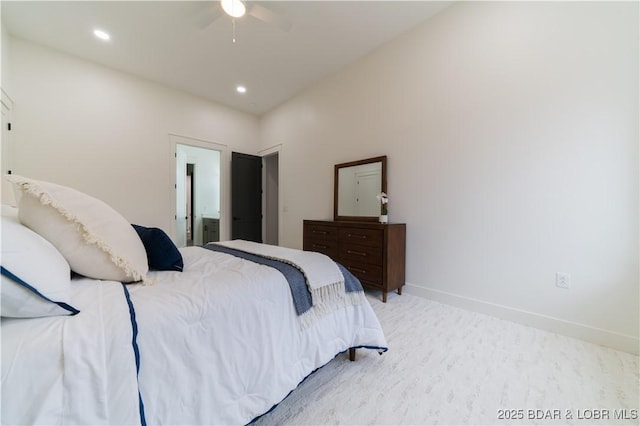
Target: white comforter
[72,370]
[219,344]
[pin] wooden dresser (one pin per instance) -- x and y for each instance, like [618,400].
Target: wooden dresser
[373,252]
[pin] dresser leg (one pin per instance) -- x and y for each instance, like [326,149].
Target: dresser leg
[400,291]
[384,296]
[352,354]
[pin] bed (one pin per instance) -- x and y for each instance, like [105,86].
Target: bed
[197,335]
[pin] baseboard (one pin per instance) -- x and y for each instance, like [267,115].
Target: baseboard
[598,336]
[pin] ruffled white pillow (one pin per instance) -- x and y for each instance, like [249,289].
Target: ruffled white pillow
[95,239]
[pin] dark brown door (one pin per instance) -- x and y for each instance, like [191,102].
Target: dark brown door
[246,197]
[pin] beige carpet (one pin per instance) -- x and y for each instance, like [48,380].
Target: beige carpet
[451,366]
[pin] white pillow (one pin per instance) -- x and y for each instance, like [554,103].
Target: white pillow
[95,239]
[35,277]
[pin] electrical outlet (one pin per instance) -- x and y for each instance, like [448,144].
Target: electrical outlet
[563,280]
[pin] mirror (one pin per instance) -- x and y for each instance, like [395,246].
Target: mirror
[356,185]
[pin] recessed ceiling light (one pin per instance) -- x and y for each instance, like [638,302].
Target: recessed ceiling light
[241,89]
[101,35]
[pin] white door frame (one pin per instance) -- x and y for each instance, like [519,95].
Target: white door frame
[180,232]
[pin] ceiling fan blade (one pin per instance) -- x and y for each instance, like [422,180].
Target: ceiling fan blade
[207,15]
[270,17]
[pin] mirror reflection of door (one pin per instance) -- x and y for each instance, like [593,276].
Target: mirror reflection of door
[197,193]
[358,187]
[367,187]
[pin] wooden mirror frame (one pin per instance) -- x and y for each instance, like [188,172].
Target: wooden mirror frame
[336,216]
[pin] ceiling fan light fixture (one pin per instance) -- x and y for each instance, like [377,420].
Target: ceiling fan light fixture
[234,8]
[102,35]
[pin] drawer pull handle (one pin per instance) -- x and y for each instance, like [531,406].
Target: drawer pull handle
[319,246]
[315,231]
[362,237]
[359,253]
[362,271]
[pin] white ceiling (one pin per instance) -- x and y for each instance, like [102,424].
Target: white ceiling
[168,41]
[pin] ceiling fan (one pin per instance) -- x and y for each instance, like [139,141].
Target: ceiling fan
[237,9]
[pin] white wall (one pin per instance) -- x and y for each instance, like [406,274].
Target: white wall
[107,133]
[5,72]
[511,131]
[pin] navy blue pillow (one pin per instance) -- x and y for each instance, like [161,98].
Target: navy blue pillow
[162,254]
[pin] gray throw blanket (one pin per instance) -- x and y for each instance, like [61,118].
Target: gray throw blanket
[294,276]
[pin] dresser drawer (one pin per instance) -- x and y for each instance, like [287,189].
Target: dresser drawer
[368,237]
[374,253]
[369,284]
[364,272]
[320,232]
[361,253]
[328,247]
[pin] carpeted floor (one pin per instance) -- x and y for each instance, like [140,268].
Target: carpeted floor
[451,366]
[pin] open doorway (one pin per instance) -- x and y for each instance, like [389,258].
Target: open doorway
[255,197]
[270,166]
[197,194]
